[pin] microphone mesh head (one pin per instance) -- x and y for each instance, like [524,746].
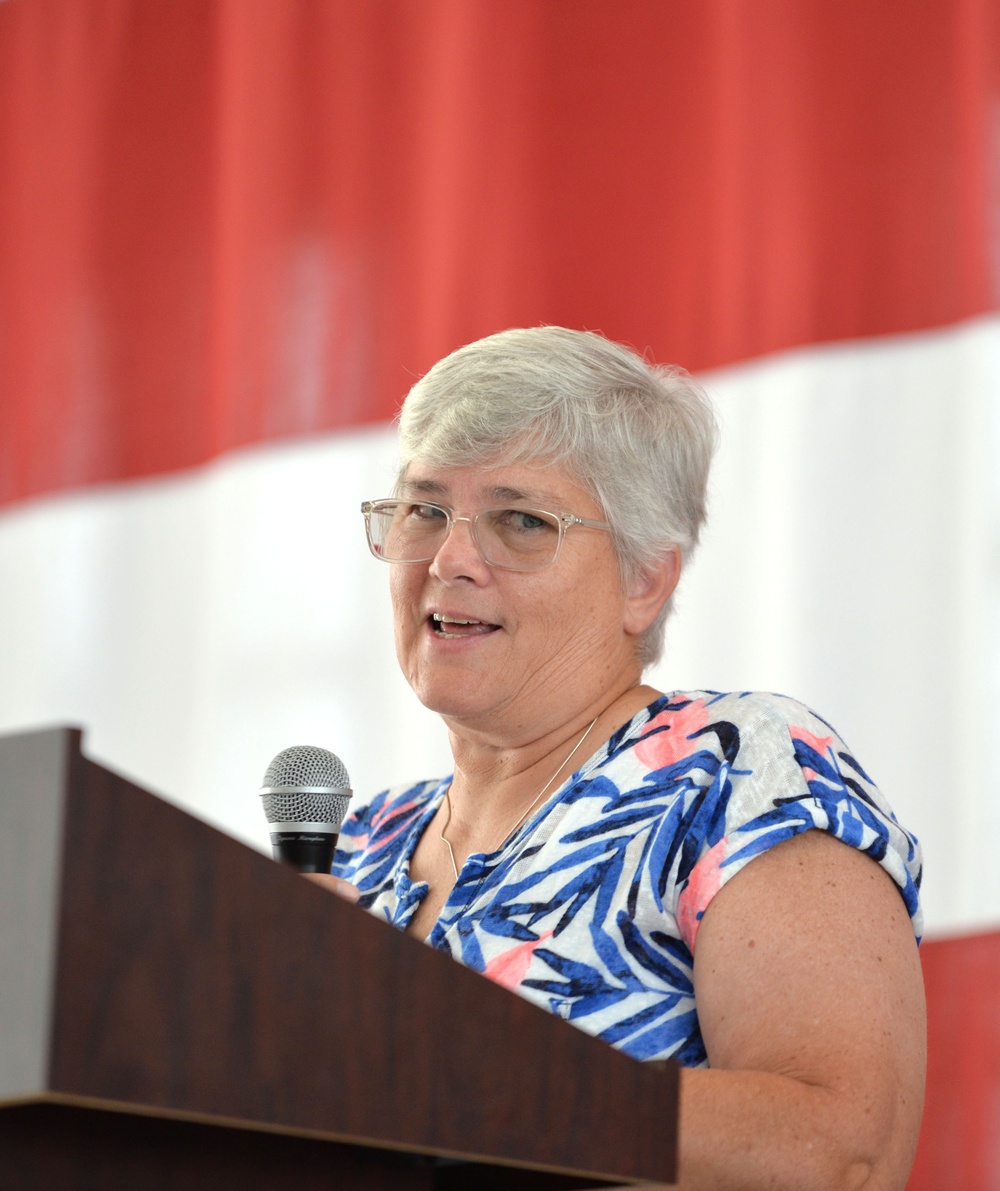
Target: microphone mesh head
[307,808]
[304,765]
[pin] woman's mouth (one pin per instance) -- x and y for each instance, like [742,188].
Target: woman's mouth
[451,628]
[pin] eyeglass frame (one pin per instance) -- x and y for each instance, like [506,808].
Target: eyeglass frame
[564,522]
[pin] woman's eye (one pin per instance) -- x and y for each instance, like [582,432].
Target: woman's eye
[425,512]
[523,519]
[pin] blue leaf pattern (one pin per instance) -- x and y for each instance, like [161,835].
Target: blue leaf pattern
[592,908]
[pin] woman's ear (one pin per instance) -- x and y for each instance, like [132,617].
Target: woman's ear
[650,590]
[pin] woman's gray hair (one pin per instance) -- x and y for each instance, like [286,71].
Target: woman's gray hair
[638,436]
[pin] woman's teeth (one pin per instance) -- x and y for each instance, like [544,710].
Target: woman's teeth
[458,627]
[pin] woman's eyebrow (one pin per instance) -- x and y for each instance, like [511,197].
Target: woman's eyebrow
[500,493]
[425,487]
[505,493]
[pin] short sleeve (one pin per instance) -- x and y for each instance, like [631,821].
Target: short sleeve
[793,773]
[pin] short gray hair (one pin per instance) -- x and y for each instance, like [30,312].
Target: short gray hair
[638,436]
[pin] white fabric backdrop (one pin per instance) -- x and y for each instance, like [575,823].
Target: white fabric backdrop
[197,624]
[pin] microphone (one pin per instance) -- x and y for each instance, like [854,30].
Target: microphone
[305,795]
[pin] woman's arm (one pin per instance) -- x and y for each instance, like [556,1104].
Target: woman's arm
[811,1004]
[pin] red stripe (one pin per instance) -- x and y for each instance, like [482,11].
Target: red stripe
[190,189]
[960,1138]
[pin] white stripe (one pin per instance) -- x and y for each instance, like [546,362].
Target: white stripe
[853,561]
[198,624]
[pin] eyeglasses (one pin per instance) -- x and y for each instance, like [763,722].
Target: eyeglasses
[514,539]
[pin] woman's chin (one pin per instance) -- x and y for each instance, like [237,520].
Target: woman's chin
[454,705]
[461,699]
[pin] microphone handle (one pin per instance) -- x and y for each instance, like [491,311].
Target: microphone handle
[307,851]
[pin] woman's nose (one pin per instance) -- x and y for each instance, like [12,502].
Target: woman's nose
[458,555]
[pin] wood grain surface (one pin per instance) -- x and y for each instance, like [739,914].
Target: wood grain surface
[197,977]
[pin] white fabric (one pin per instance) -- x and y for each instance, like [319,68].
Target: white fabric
[197,624]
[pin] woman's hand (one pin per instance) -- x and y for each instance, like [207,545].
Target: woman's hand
[337,885]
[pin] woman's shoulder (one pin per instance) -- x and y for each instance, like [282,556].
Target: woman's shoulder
[685,723]
[741,707]
[749,770]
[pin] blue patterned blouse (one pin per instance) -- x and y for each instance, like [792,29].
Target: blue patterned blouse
[591,909]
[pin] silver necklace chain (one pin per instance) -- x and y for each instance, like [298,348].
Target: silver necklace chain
[527,810]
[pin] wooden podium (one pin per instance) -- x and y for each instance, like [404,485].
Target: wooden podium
[178,1011]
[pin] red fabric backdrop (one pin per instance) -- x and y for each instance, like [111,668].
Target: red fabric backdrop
[960,1139]
[712,180]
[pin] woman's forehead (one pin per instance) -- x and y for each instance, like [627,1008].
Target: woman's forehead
[539,484]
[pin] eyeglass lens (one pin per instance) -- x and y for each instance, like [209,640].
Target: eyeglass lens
[517,538]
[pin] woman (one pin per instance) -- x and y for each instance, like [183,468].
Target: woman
[706,877]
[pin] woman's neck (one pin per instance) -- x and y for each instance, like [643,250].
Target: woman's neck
[498,775]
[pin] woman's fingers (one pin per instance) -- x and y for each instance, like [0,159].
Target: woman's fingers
[335,885]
